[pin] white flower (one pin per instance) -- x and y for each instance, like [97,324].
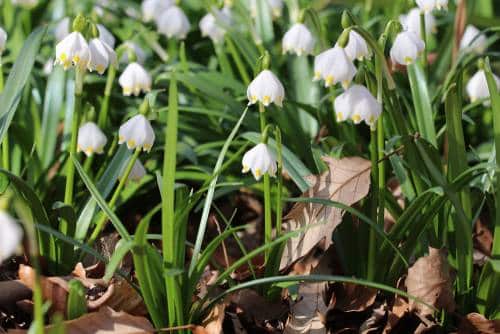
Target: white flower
[101,55]
[25,3]
[134,79]
[260,161]
[473,40]
[11,236]
[411,22]
[212,24]
[130,46]
[106,36]
[136,173]
[357,48]
[137,132]
[62,29]
[298,39]
[276,7]
[267,89]
[91,139]
[358,104]
[3,40]
[72,50]
[426,5]
[333,66]
[173,23]
[442,4]
[151,9]
[477,87]
[406,48]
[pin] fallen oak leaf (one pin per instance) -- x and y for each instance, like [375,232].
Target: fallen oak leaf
[429,280]
[307,314]
[475,323]
[212,324]
[347,181]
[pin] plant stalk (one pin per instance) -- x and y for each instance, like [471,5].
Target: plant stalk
[268,227]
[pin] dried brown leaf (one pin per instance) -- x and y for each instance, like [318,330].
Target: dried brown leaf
[475,323]
[121,296]
[348,297]
[347,181]
[106,321]
[374,323]
[307,314]
[400,307]
[429,279]
[256,308]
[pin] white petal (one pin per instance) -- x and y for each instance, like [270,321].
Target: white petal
[10,236]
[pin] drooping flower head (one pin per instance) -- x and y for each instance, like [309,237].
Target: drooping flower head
[213,24]
[11,235]
[299,40]
[357,104]
[137,132]
[136,50]
[106,36]
[477,87]
[266,88]
[134,79]
[151,9]
[411,22]
[173,23]
[357,48]
[260,161]
[73,50]
[407,48]
[334,66]
[101,55]
[473,40]
[91,139]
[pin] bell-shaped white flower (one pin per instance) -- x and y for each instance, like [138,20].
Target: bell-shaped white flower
[139,53]
[91,139]
[266,88]
[357,48]
[357,104]
[11,236]
[473,40]
[260,161]
[411,22]
[477,87]
[3,40]
[213,24]
[151,9]
[106,36]
[137,132]
[101,56]
[407,48]
[136,173]
[25,3]
[426,5]
[333,66]
[134,79]
[299,40]
[173,23]
[62,29]
[72,50]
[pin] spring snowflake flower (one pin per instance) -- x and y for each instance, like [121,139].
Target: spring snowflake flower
[276,7]
[473,40]
[91,139]
[151,9]
[173,23]
[140,55]
[3,40]
[106,36]
[25,3]
[267,89]
[101,56]
[11,236]
[72,50]
[334,66]
[134,79]
[357,48]
[212,24]
[137,132]
[357,104]
[299,40]
[136,173]
[260,161]
[477,87]
[411,22]
[407,48]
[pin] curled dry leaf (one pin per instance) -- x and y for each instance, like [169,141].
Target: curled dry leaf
[429,279]
[106,321]
[307,314]
[475,323]
[347,181]
[120,296]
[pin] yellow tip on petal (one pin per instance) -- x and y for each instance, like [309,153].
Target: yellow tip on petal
[266,100]
[258,173]
[131,143]
[121,139]
[356,118]
[408,60]
[245,169]
[340,117]
[329,80]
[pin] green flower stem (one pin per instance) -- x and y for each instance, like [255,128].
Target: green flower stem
[238,61]
[112,202]
[372,238]
[103,114]
[268,227]
[170,244]
[5,143]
